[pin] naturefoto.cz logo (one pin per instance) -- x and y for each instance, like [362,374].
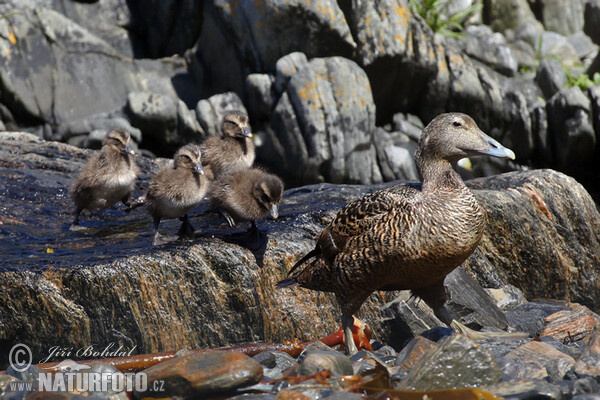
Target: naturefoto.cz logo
[75,377]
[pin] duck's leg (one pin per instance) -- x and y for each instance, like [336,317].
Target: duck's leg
[347,324]
[158,238]
[186,228]
[227,217]
[75,225]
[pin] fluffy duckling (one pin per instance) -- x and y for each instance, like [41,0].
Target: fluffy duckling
[107,178]
[233,151]
[405,237]
[176,190]
[246,195]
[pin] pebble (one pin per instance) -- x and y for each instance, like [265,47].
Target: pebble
[319,360]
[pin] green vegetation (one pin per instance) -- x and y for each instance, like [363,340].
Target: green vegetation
[433,12]
[583,81]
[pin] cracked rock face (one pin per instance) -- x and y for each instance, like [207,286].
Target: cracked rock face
[110,285]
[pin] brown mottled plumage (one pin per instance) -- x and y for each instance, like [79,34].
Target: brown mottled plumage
[177,189]
[246,195]
[107,178]
[406,236]
[233,151]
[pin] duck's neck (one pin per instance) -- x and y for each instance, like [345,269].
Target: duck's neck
[438,174]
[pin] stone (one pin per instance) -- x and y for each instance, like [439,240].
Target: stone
[530,317]
[463,362]
[550,77]
[589,362]
[532,389]
[490,48]
[563,16]
[538,354]
[570,325]
[507,297]
[259,97]
[202,375]
[412,353]
[583,45]
[252,36]
[510,14]
[591,17]
[48,58]
[210,112]
[369,364]
[266,359]
[319,360]
[556,45]
[325,123]
[395,155]
[286,67]
[92,279]
[570,127]
[157,116]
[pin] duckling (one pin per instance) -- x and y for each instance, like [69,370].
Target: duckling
[176,190]
[107,178]
[233,151]
[406,237]
[246,195]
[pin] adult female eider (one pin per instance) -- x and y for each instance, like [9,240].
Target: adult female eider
[404,237]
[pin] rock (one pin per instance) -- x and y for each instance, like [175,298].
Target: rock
[252,36]
[534,389]
[286,67]
[464,363]
[283,360]
[370,364]
[589,362]
[166,27]
[111,282]
[540,355]
[583,45]
[490,48]
[591,17]
[563,16]
[550,77]
[266,359]
[390,39]
[507,298]
[530,317]
[395,155]
[202,375]
[259,97]
[36,70]
[324,123]
[510,14]
[570,325]
[98,122]
[557,45]
[409,356]
[570,127]
[210,112]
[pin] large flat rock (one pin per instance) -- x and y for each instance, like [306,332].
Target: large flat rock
[73,289]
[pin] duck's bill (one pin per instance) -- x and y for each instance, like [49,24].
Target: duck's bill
[495,148]
[198,169]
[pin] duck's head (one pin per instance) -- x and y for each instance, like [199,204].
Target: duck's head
[188,157]
[236,125]
[267,192]
[119,141]
[453,136]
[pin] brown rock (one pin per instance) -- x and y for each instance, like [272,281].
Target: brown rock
[570,325]
[197,375]
[291,395]
[589,362]
[538,354]
[414,350]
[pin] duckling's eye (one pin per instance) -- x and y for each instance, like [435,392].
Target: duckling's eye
[456,123]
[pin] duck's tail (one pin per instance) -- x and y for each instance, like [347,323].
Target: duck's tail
[291,280]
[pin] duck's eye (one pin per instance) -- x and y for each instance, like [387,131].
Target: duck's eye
[456,123]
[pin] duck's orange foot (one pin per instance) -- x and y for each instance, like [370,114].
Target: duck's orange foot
[361,333]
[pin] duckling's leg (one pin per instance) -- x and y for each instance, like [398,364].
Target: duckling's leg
[75,225]
[186,228]
[254,236]
[227,217]
[347,324]
[158,238]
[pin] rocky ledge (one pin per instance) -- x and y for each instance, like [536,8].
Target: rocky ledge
[109,285]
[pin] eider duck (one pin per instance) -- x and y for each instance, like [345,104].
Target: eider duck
[107,178]
[246,195]
[233,151]
[404,237]
[177,189]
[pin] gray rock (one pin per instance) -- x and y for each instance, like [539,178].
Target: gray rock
[286,67]
[490,48]
[39,71]
[167,27]
[464,364]
[588,363]
[253,36]
[531,389]
[570,127]
[409,124]
[319,360]
[529,317]
[550,77]
[210,112]
[591,16]
[325,123]
[283,360]
[583,45]
[510,14]
[507,297]
[266,359]
[524,54]
[395,154]
[259,96]
[557,45]
[188,127]
[536,357]
[563,16]
[515,370]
